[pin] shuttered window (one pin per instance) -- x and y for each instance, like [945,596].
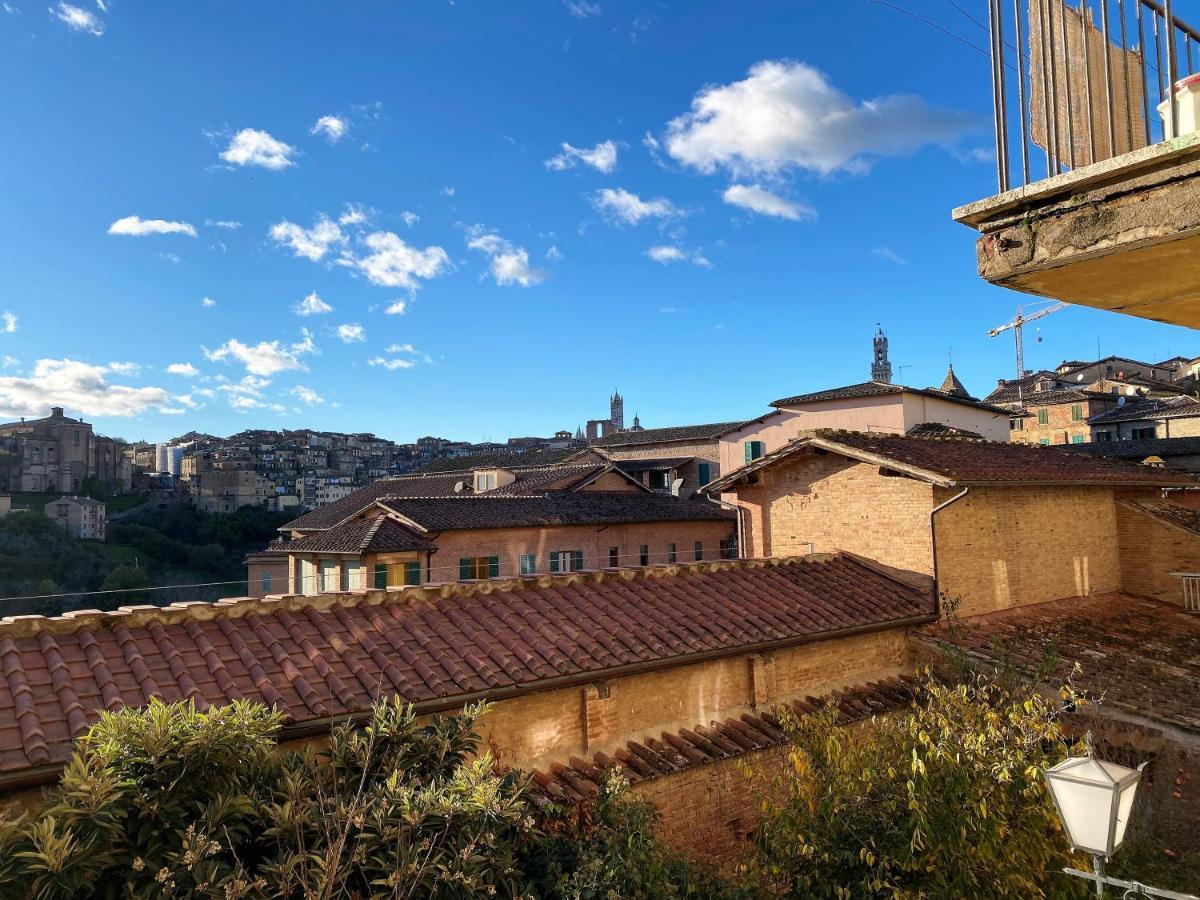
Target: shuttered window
[381,574]
[1043,416]
[754,449]
[699,549]
[412,573]
[704,472]
[528,563]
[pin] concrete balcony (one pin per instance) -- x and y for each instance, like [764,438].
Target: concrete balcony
[1122,234]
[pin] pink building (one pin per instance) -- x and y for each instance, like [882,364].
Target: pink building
[872,406]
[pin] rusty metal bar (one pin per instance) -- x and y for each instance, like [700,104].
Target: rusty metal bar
[1024,101]
[1125,77]
[1066,36]
[1048,42]
[1108,100]
[996,47]
[1142,65]
[1172,69]
[1085,32]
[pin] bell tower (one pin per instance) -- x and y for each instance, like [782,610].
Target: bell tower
[881,369]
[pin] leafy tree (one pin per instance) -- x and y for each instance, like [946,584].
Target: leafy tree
[127,578]
[171,802]
[946,801]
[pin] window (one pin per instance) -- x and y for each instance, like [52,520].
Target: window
[659,481]
[1045,442]
[1016,424]
[1076,412]
[704,472]
[671,553]
[1043,416]
[485,481]
[473,568]
[352,575]
[266,582]
[614,557]
[412,573]
[328,576]
[566,561]
[754,449]
[699,550]
[1103,435]
[381,575]
[528,563]
[1077,439]
[1143,434]
[644,555]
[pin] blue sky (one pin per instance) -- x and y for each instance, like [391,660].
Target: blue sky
[492,214]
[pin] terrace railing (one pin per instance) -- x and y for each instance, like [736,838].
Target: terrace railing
[1074,84]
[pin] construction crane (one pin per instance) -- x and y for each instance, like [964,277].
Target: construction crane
[1017,325]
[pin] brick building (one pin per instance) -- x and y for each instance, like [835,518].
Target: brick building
[1139,420]
[1053,416]
[1174,453]
[689,453]
[996,525]
[873,406]
[58,454]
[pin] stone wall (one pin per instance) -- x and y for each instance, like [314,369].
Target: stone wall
[1151,550]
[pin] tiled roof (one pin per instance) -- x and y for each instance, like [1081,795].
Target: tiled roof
[1169,408]
[969,462]
[1140,449]
[665,435]
[1166,511]
[649,759]
[379,534]
[952,385]
[1016,389]
[1057,396]
[531,481]
[941,430]
[540,457]
[657,464]
[591,508]
[437,647]
[879,389]
[1143,656]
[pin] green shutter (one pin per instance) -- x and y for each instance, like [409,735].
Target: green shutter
[1077,439]
[466,569]
[704,473]
[749,450]
[380,575]
[576,560]
[493,566]
[1043,416]
[699,550]
[554,561]
[412,573]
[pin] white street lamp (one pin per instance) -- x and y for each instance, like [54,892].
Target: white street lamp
[1094,800]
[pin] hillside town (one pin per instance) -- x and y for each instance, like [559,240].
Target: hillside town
[878,639]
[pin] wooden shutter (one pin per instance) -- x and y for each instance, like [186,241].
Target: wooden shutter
[466,569]
[380,575]
[576,560]
[554,561]
[493,566]
[412,573]
[749,450]
[704,473]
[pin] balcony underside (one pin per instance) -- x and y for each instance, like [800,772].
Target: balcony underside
[1120,235]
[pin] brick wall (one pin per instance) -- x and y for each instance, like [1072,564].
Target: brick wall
[552,726]
[834,503]
[1151,549]
[1000,547]
[1061,427]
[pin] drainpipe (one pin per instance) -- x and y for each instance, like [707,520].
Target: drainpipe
[937,596]
[741,531]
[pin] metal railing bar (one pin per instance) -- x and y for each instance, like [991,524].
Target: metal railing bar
[1048,38]
[1003,87]
[1045,92]
[994,29]
[1066,36]
[1085,31]
[1108,102]
[1142,68]
[1172,70]
[1125,77]
[1162,11]
[1021,94]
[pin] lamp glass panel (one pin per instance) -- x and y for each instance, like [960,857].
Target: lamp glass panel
[1124,808]
[1086,809]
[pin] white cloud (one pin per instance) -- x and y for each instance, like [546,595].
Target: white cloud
[354,214]
[9,323]
[351,333]
[124,368]
[10,9]
[396,308]
[669,253]
[77,386]
[332,127]
[890,255]
[410,218]
[311,243]
[135,226]
[760,200]
[554,253]
[208,302]
[266,357]
[602,157]
[187,370]
[582,9]
[77,19]
[621,205]
[227,224]
[447,191]
[400,348]
[509,263]
[307,395]
[785,114]
[312,305]
[394,263]
[9,362]
[391,364]
[251,147]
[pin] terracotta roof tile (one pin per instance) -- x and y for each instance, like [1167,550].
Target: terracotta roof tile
[676,433]
[880,389]
[969,462]
[331,655]
[377,534]
[653,758]
[1142,656]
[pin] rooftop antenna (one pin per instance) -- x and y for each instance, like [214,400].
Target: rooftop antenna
[900,371]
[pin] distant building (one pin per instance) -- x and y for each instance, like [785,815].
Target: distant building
[678,460]
[228,491]
[58,453]
[616,407]
[82,517]
[5,505]
[1139,420]
[881,368]
[169,458]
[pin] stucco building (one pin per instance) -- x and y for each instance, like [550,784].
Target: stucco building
[82,517]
